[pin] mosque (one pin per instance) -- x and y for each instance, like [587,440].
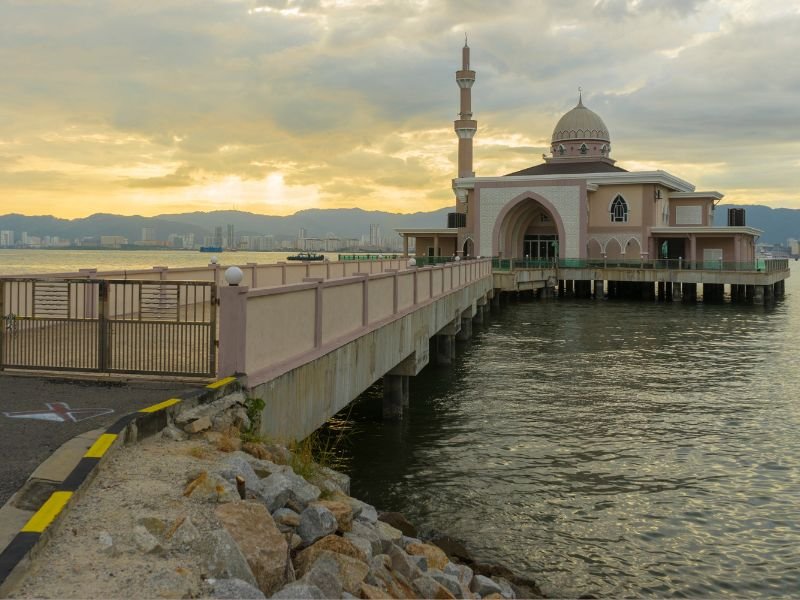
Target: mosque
[577,204]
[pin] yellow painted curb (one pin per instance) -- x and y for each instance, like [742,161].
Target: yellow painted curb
[161,405]
[101,445]
[47,514]
[220,383]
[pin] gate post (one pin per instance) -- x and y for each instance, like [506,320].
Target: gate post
[2,322]
[232,330]
[102,326]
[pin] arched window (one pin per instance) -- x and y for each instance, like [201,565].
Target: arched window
[561,149]
[619,210]
[584,149]
[603,149]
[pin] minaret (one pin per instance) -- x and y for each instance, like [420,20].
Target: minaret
[465,126]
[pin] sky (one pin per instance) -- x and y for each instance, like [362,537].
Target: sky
[274,106]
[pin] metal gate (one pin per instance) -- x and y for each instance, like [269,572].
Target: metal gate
[110,326]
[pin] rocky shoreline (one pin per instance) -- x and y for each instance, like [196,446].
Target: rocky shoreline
[197,512]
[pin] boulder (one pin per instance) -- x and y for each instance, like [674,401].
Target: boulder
[361,543]
[405,541]
[198,425]
[420,561]
[237,464]
[452,548]
[398,521]
[282,488]
[402,563]
[461,572]
[450,582]
[300,591]
[388,535]
[484,586]
[315,523]
[371,592]
[428,587]
[259,539]
[232,589]
[332,543]
[363,511]
[506,589]
[369,533]
[222,558]
[324,574]
[341,510]
[264,468]
[435,557]
[146,542]
[185,535]
[351,571]
[170,432]
[286,517]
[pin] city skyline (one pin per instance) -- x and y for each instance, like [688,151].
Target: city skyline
[274,106]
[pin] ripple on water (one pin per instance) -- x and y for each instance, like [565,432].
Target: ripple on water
[607,448]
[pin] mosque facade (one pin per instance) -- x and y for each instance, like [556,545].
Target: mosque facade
[578,204]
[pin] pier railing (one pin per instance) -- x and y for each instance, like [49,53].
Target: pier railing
[755,266]
[269,330]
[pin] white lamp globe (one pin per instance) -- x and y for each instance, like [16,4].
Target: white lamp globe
[458,258]
[412,262]
[214,260]
[234,275]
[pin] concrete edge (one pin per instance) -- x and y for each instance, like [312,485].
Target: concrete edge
[17,557]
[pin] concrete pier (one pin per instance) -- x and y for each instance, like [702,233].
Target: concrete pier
[445,348]
[395,396]
[599,292]
[465,332]
[758,294]
[689,293]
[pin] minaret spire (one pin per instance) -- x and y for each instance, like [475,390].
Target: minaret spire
[465,126]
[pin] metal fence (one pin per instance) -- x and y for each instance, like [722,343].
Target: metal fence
[111,326]
[759,265]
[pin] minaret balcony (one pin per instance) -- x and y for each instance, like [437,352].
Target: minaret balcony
[465,128]
[465,79]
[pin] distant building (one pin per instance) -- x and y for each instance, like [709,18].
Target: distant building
[113,241]
[148,234]
[374,235]
[6,238]
[794,247]
[217,237]
[230,240]
[188,240]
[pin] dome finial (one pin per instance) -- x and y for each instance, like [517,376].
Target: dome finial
[580,96]
[466,45]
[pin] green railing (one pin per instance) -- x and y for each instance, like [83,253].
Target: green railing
[760,265]
[425,261]
[350,257]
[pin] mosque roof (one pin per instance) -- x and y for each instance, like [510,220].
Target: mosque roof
[570,168]
[580,123]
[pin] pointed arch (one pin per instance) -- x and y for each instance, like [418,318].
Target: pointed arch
[618,209]
[594,249]
[633,250]
[613,249]
[510,223]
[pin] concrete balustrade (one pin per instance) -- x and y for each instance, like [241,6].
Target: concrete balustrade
[311,347]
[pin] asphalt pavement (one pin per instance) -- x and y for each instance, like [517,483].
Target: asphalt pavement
[39,414]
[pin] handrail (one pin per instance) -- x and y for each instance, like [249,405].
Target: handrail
[760,265]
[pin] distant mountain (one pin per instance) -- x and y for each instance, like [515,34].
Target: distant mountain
[778,224]
[343,222]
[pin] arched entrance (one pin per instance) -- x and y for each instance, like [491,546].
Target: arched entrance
[528,227]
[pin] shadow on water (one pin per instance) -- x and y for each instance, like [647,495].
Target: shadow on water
[605,447]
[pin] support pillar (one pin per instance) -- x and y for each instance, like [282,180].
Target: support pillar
[393,396]
[445,349]
[478,319]
[598,289]
[690,293]
[561,288]
[749,293]
[466,329]
[758,294]
[406,393]
[668,291]
[495,302]
[662,292]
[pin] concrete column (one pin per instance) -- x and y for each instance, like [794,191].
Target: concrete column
[495,302]
[769,297]
[661,291]
[669,291]
[232,330]
[393,397]
[693,249]
[480,312]
[445,349]
[690,293]
[466,329]
[749,293]
[405,246]
[435,245]
[598,289]
[758,294]
[406,392]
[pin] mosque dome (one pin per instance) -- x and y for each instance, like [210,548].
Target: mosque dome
[581,124]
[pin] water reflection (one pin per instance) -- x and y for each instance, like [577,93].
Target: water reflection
[606,448]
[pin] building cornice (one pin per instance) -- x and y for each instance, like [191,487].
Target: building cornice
[706,229]
[592,179]
[691,195]
[428,231]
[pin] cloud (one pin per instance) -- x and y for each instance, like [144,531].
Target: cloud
[120,105]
